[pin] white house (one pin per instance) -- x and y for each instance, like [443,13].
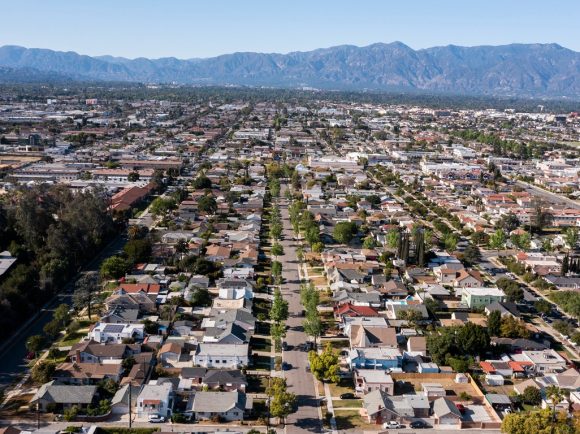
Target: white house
[214,355]
[545,361]
[235,289]
[155,399]
[115,333]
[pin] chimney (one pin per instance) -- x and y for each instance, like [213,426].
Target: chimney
[78,356]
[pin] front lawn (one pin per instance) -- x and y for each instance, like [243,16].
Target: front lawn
[346,385]
[261,344]
[349,419]
[257,383]
[346,403]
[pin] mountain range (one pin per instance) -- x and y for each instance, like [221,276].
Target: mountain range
[523,70]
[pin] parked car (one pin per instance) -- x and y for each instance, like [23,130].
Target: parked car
[392,425]
[418,424]
[156,418]
[348,396]
[461,408]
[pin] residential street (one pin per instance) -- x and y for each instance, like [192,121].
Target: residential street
[300,382]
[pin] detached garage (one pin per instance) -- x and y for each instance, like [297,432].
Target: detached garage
[446,413]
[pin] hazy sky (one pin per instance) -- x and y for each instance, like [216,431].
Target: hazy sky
[204,28]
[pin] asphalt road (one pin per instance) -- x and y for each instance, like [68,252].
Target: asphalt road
[306,419]
[13,351]
[549,196]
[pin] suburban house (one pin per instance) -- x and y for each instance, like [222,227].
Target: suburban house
[375,358]
[368,380]
[417,346]
[219,406]
[362,336]
[226,380]
[228,334]
[214,355]
[116,333]
[235,289]
[139,301]
[546,361]
[379,407]
[155,399]
[87,373]
[446,413]
[59,396]
[169,353]
[479,297]
[468,279]
[95,352]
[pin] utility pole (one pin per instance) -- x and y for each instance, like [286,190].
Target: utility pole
[130,418]
[268,414]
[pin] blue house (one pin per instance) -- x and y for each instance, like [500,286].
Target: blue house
[375,358]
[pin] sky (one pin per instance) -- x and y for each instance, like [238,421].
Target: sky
[206,28]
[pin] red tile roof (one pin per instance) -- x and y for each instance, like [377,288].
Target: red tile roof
[487,367]
[352,310]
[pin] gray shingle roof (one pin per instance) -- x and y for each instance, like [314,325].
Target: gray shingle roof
[218,402]
[65,394]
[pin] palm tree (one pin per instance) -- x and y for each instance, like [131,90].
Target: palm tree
[556,396]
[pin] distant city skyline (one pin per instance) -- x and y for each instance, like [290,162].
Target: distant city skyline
[184,29]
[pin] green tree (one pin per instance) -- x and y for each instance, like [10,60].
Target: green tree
[571,236]
[508,222]
[128,363]
[201,182]
[532,395]
[541,216]
[278,330]
[277,269]
[161,205]
[61,315]
[52,329]
[393,238]
[35,343]
[207,204]
[274,188]
[42,371]
[459,364]
[86,288]
[521,241]
[277,249]
[547,245]
[537,422]
[497,240]
[369,242]
[512,289]
[282,402]
[479,238]
[312,326]
[494,323]
[344,232]
[114,267]
[276,231]
[543,306]
[279,310]
[138,250]
[318,247]
[472,254]
[513,328]
[450,240]
[325,366]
